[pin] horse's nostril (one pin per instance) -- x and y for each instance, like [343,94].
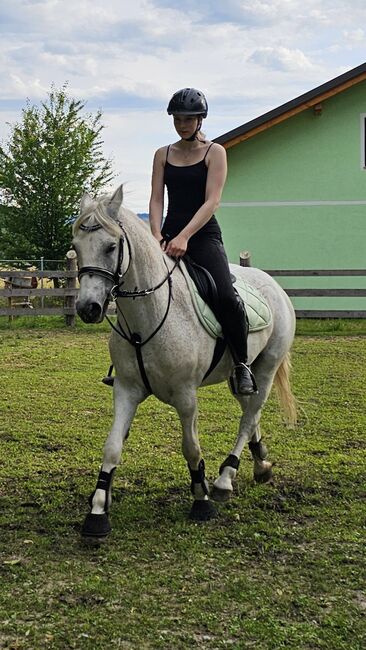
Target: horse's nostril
[94,310]
[89,312]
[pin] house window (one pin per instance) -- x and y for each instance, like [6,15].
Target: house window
[363,140]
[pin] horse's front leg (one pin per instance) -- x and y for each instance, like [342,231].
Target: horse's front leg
[202,508]
[96,525]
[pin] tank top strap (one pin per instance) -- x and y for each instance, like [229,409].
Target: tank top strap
[167,153]
[208,149]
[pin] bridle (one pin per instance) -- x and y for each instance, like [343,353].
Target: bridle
[116,292]
[116,277]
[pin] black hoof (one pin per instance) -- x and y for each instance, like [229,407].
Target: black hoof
[96,527]
[220,495]
[264,477]
[202,511]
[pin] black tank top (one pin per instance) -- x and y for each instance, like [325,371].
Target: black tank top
[186,187]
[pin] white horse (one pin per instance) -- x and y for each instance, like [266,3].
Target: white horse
[160,346]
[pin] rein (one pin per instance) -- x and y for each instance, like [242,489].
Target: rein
[116,292]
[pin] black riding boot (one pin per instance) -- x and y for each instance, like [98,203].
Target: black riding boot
[236,331]
[243,381]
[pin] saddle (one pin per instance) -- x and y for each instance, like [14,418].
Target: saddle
[205,299]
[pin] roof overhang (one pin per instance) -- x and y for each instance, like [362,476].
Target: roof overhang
[308,100]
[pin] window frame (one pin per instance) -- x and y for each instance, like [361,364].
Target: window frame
[363,140]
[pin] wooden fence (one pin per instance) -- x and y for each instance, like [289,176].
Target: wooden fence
[19,297]
[245,260]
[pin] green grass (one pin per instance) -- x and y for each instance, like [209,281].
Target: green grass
[331,326]
[48,323]
[283,566]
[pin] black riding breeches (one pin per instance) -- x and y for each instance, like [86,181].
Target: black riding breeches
[209,252]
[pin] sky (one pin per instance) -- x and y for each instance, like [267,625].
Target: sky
[127,57]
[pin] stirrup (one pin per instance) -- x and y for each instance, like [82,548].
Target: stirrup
[253,390]
[109,380]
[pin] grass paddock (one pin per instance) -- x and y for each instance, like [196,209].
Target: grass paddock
[283,566]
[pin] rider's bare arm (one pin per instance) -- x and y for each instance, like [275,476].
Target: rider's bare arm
[156,204]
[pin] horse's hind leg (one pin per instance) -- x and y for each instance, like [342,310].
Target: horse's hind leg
[281,375]
[249,433]
[202,508]
[262,468]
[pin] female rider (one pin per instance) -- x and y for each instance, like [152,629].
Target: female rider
[194,172]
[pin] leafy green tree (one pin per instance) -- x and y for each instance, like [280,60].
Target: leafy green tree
[53,155]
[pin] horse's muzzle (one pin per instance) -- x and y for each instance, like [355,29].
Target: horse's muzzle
[91,312]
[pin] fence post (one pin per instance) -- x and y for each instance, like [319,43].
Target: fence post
[245,259]
[10,304]
[70,284]
[42,281]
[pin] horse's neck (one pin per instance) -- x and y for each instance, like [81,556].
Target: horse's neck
[146,266]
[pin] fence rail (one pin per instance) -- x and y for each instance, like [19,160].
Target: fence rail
[15,287]
[12,293]
[39,274]
[245,260]
[40,311]
[315,272]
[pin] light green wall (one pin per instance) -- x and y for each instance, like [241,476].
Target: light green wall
[305,158]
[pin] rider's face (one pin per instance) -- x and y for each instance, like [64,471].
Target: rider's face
[185,125]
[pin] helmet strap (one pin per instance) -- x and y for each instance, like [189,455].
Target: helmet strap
[194,135]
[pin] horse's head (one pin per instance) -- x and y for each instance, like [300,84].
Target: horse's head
[98,242]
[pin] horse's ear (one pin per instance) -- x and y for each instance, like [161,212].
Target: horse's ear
[115,203]
[86,200]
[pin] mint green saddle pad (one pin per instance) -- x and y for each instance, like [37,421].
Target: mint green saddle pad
[258,312]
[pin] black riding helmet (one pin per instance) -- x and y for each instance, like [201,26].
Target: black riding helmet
[188,101]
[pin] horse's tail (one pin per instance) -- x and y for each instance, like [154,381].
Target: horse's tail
[284,392]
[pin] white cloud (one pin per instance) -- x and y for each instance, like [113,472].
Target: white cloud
[355,36]
[280,58]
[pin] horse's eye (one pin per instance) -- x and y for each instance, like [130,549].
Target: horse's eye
[111,248]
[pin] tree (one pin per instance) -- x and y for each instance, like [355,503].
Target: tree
[51,158]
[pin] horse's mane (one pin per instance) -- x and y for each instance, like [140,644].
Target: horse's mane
[96,212]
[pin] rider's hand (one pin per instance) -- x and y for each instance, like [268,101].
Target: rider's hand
[177,247]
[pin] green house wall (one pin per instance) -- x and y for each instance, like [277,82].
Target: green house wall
[301,190]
